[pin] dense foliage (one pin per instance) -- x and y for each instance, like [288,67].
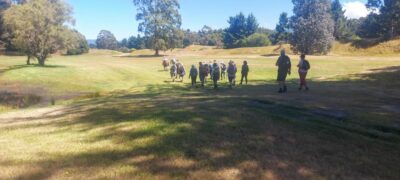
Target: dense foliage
[240,28]
[160,21]
[77,44]
[106,40]
[37,28]
[313,26]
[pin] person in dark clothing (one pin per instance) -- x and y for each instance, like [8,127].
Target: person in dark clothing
[245,72]
[193,75]
[303,66]
[203,71]
[284,68]
[232,73]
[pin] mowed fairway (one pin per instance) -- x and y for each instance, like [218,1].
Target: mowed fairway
[122,118]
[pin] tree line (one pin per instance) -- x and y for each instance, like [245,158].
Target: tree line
[39,28]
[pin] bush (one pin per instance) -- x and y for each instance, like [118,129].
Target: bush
[257,40]
[125,50]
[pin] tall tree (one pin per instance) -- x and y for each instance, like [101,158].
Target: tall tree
[159,20]
[240,27]
[282,34]
[106,40]
[389,15]
[4,5]
[313,26]
[340,28]
[251,25]
[38,27]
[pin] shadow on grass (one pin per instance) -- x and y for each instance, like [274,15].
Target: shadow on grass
[174,132]
[16,67]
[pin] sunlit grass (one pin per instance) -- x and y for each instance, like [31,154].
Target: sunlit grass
[127,121]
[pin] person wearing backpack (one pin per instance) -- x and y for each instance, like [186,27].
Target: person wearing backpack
[232,73]
[304,67]
[245,72]
[173,71]
[215,74]
[284,69]
[193,75]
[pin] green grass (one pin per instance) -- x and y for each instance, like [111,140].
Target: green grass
[122,118]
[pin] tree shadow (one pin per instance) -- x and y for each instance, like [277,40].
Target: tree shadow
[238,134]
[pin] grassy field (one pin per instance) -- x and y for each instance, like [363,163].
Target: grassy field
[120,117]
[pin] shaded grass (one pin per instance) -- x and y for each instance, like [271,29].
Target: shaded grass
[133,125]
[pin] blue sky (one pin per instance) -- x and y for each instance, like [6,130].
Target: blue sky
[118,16]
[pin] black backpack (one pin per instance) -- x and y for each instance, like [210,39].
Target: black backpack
[306,65]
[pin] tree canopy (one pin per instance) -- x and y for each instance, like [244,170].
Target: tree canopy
[38,27]
[313,26]
[240,27]
[106,40]
[160,21]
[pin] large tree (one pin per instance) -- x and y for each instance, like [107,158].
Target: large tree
[159,21]
[340,29]
[4,5]
[240,27]
[282,34]
[106,40]
[38,27]
[313,26]
[389,15]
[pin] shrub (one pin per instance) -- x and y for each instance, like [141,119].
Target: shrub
[257,40]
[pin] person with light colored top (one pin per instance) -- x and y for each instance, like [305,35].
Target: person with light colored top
[304,67]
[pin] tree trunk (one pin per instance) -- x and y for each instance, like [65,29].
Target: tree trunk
[157,52]
[41,61]
[28,61]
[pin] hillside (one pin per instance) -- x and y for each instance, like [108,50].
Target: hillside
[348,49]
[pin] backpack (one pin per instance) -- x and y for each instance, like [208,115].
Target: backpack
[223,67]
[306,65]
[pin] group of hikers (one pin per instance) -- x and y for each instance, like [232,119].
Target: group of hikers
[219,71]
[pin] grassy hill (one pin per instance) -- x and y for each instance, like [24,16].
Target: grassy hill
[122,118]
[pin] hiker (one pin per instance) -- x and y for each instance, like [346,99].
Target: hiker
[173,71]
[303,66]
[202,73]
[180,71]
[284,68]
[216,74]
[245,72]
[207,70]
[223,71]
[165,64]
[210,69]
[193,75]
[232,73]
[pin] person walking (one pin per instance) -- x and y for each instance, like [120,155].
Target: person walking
[193,75]
[304,67]
[284,69]
[245,72]
[216,74]
[223,71]
[202,73]
[232,73]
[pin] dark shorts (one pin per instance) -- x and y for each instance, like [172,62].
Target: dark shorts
[282,75]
